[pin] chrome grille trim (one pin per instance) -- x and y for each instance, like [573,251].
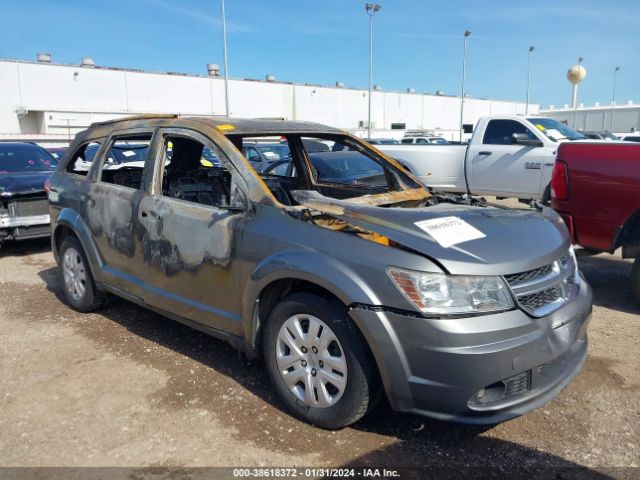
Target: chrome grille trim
[543,290]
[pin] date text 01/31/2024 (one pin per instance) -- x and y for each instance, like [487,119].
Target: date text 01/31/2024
[314,473]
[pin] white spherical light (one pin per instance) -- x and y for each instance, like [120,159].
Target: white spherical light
[576,74]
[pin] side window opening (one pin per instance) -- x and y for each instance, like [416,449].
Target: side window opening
[500,132]
[125,160]
[271,157]
[81,160]
[195,173]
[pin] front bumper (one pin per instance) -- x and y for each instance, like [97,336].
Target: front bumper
[24,227]
[438,368]
[29,221]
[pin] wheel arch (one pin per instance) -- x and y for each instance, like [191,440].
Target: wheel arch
[288,272]
[628,236]
[68,223]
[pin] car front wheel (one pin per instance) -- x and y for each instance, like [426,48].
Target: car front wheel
[318,362]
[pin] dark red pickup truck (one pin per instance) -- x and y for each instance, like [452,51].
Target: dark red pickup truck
[595,187]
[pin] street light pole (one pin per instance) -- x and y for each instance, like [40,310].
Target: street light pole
[464,74]
[613,99]
[371,9]
[226,64]
[531,49]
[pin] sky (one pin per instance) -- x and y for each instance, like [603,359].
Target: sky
[417,43]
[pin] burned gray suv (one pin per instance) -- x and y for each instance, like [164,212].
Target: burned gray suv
[338,268]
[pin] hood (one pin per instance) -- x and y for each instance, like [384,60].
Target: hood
[513,240]
[21,183]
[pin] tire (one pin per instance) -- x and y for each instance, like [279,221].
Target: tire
[635,278]
[546,196]
[325,405]
[77,281]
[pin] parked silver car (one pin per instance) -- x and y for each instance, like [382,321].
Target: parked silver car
[345,284]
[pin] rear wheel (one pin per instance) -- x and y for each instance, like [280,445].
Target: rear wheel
[546,196]
[318,363]
[635,278]
[79,287]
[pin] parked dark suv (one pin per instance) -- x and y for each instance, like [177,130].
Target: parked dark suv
[345,284]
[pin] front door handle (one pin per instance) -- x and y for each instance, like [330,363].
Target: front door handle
[485,153]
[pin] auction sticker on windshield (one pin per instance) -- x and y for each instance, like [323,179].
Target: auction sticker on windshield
[449,231]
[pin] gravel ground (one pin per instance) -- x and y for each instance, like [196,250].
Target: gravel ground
[127,387]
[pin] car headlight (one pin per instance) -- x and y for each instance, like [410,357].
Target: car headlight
[438,293]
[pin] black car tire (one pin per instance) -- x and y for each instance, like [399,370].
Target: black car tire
[362,386]
[635,278]
[92,299]
[546,196]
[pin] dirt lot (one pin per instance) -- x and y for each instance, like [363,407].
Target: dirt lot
[126,387]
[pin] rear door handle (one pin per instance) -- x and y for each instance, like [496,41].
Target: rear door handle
[485,153]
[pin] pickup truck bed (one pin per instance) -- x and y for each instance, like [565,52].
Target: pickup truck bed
[595,187]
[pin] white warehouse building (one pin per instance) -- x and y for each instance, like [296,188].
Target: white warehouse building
[46,101]
[621,118]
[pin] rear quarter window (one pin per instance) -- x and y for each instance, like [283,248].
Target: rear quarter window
[80,161]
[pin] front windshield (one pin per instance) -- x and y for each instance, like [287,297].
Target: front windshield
[344,167]
[25,158]
[555,130]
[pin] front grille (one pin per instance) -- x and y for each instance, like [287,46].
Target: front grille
[542,290]
[540,299]
[26,207]
[529,275]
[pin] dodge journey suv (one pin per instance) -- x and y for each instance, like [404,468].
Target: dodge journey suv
[346,275]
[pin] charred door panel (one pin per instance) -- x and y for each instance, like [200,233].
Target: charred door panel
[111,213]
[188,255]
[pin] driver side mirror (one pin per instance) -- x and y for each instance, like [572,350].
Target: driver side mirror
[523,139]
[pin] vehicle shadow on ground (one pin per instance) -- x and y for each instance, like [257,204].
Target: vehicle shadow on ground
[25,247]
[610,279]
[440,447]
[473,457]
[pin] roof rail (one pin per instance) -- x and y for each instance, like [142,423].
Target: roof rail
[136,117]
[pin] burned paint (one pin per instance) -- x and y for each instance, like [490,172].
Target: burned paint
[317,201]
[111,212]
[182,236]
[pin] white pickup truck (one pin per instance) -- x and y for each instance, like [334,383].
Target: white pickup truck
[508,156]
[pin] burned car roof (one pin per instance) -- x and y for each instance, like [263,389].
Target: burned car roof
[228,126]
